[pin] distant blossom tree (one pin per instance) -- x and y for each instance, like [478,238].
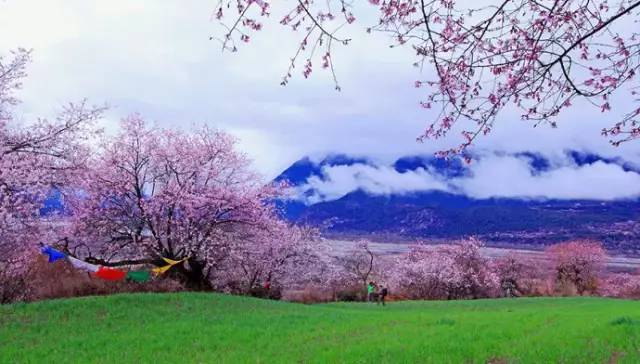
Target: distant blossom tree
[268,260]
[359,263]
[424,273]
[538,56]
[327,275]
[445,272]
[516,273]
[340,274]
[622,285]
[578,263]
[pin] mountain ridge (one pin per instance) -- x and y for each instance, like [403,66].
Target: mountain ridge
[433,214]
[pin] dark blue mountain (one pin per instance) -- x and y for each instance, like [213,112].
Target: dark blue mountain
[450,168]
[299,172]
[436,214]
[537,162]
[583,158]
[441,215]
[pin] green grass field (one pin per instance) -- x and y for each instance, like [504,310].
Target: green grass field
[215,328]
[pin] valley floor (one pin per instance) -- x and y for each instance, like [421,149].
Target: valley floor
[617,263]
[215,328]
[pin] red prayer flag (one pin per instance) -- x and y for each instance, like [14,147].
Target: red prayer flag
[111,274]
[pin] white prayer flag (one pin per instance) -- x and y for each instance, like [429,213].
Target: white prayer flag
[82,265]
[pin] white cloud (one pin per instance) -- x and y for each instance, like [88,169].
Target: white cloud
[493,175]
[337,181]
[509,176]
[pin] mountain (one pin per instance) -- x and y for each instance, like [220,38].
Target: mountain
[449,214]
[301,171]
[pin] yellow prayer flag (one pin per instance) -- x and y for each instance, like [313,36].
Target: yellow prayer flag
[160,270]
[173,262]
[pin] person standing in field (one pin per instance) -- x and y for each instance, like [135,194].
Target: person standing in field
[371,291]
[382,294]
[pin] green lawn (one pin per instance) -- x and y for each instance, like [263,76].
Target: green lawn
[215,328]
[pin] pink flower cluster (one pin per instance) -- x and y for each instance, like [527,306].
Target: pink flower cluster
[535,56]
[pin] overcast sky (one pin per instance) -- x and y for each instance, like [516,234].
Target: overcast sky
[155,57]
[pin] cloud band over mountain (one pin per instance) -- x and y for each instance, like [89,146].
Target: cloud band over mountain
[499,175]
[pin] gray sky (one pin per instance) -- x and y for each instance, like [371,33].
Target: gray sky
[155,57]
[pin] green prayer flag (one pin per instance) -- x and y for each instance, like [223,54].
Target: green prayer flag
[140,276]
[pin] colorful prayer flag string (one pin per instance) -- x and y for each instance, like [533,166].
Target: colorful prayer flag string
[110,274]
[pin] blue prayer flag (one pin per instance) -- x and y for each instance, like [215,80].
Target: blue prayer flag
[53,254]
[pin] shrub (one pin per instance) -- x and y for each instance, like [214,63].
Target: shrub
[351,294]
[309,294]
[272,293]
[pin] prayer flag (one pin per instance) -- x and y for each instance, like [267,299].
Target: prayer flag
[173,262]
[110,274]
[82,265]
[160,270]
[139,276]
[53,254]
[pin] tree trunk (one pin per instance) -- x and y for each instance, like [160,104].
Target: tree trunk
[194,278]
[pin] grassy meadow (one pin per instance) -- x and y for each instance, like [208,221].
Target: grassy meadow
[216,328]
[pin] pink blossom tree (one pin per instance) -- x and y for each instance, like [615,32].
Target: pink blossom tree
[150,193]
[327,277]
[15,270]
[622,285]
[267,261]
[35,158]
[360,263]
[486,56]
[445,272]
[517,274]
[424,273]
[578,263]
